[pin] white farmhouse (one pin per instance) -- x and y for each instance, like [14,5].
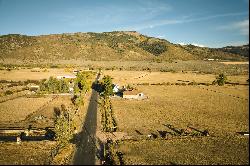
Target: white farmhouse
[115,88]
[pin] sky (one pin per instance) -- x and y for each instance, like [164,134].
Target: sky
[209,23]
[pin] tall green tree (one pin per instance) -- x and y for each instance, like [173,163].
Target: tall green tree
[63,86]
[63,126]
[82,82]
[107,86]
[53,85]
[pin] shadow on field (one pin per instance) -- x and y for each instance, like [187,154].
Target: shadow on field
[188,131]
[138,132]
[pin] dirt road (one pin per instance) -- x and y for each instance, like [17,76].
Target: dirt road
[86,151]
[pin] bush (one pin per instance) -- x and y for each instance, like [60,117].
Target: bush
[166,83]
[8,92]
[144,83]
[130,87]
[220,80]
[77,100]
[155,48]
[54,66]
[193,83]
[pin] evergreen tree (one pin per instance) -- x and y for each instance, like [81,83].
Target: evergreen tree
[107,86]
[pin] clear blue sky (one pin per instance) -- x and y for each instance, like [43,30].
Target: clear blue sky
[212,23]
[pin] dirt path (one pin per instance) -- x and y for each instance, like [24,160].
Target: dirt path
[86,150]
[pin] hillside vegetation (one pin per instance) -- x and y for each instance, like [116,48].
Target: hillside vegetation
[117,45]
[242,50]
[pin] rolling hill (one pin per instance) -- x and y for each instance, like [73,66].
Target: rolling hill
[117,45]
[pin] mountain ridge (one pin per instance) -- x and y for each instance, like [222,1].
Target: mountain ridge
[116,45]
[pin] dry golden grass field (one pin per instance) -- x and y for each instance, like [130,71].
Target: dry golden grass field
[47,111]
[136,77]
[239,63]
[222,110]
[26,153]
[24,111]
[175,66]
[180,106]
[193,151]
[31,74]
[34,110]
[19,108]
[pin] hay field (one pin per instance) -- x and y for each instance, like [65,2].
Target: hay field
[39,152]
[26,153]
[135,77]
[25,74]
[219,112]
[199,151]
[192,65]
[239,91]
[47,111]
[182,105]
[18,109]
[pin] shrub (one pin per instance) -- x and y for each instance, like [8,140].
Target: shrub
[144,83]
[220,80]
[207,84]
[8,92]
[193,83]
[77,100]
[130,87]
[166,83]
[54,66]
[155,48]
